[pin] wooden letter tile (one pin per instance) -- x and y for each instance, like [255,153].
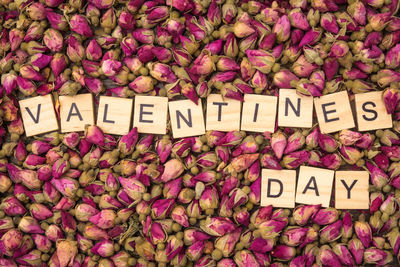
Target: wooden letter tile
[187,118]
[222,114]
[351,190]
[114,115]
[75,112]
[334,112]
[259,113]
[38,115]
[150,114]
[371,112]
[278,188]
[295,110]
[314,186]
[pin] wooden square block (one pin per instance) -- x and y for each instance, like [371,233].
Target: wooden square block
[278,188]
[351,190]
[150,114]
[371,112]
[38,115]
[295,110]
[114,115]
[259,113]
[334,112]
[222,114]
[187,118]
[314,186]
[75,112]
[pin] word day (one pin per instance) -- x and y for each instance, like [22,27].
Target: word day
[314,186]
[257,113]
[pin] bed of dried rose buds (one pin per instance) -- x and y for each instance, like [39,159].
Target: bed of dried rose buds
[94,199]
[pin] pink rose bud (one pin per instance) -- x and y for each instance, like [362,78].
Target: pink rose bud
[66,252]
[261,245]
[94,135]
[31,73]
[42,243]
[261,60]
[58,63]
[303,213]
[33,258]
[326,216]
[350,154]
[294,236]
[331,232]
[103,248]
[217,226]
[126,20]
[245,258]
[227,64]
[30,225]
[40,60]
[348,137]
[94,233]
[161,208]
[209,198]
[53,40]
[244,161]
[358,11]
[16,36]
[328,23]
[60,167]
[327,143]
[66,186]
[343,254]
[389,206]
[5,183]
[378,21]
[298,19]
[173,168]
[80,25]
[172,188]
[282,29]
[302,68]
[375,256]
[163,148]
[93,50]
[331,161]
[378,177]
[283,252]
[178,214]
[83,212]
[376,200]
[189,91]
[391,97]
[75,50]
[294,142]
[111,67]
[40,211]
[283,78]
[363,232]
[174,246]
[57,21]
[104,219]
[270,162]
[195,251]
[295,159]
[12,239]
[271,228]
[326,257]
[311,37]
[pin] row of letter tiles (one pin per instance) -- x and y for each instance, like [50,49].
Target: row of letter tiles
[256,114]
[314,186]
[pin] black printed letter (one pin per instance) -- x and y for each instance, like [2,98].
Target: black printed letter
[36,120]
[188,122]
[269,188]
[145,112]
[72,113]
[369,110]
[220,104]
[308,186]
[105,115]
[348,188]
[289,103]
[326,112]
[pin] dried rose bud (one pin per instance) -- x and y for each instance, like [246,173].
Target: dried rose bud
[327,257]
[42,243]
[283,253]
[261,60]
[391,97]
[375,256]
[302,214]
[378,177]
[245,258]
[331,232]
[30,225]
[271,228]
[40,211]
[363,232]
[294,236]
[295,159]
[172,169]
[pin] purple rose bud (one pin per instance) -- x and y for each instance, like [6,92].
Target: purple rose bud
[217,226]
[80,25]
[283,252]
[363,232]
[298,19]
[378,177]
[245,258]
[326,257]
[94,135]
[326,216]
[331,232]
[40,211]
[303,213]
[261,60]
[391,97]
[295,159]
[283,78]
[328,23]
[311,37]
[375,256]
[30,225]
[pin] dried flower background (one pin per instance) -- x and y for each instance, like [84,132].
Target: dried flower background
[92,199]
